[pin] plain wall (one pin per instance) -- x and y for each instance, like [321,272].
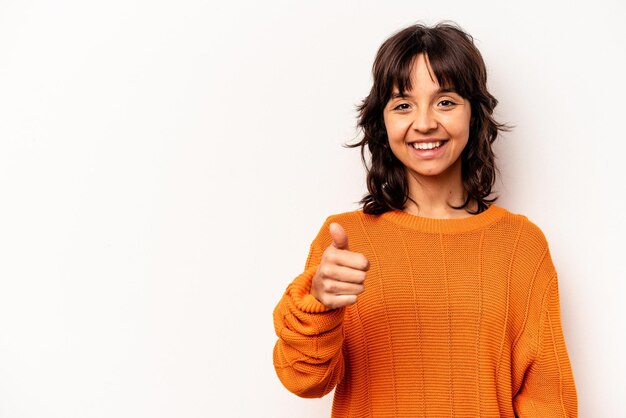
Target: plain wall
[164,166]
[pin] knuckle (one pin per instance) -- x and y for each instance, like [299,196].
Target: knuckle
[331,255]
[329,287]
[329,251]
[326,270]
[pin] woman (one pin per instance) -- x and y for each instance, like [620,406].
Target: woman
[431,301]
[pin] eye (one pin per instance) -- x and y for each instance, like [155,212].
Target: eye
[446,103]
[401,106]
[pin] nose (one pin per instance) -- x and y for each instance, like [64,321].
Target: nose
[424,121]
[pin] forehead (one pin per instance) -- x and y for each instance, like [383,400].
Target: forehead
[419,75]
[421,79]
[422,75]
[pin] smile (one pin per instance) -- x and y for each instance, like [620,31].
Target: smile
[427,145]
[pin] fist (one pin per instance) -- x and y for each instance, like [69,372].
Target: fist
[340,276]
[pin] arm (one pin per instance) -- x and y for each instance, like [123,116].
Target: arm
[308,354]
[548,388]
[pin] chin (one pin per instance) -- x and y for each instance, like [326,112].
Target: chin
[434,172]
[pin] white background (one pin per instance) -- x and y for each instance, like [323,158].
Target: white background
[164,166]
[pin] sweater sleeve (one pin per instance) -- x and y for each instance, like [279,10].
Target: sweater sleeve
[308,355]
[548,388]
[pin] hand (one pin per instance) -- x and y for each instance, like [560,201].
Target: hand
[340,276]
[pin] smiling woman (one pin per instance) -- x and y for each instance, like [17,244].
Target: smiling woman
[429,301]
[420,75]
[427,128]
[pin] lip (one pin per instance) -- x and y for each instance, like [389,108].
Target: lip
[428,153]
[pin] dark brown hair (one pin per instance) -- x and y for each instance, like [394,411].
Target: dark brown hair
[457,64]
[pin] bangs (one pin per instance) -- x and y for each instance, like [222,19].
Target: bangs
[452,69]
[449,64]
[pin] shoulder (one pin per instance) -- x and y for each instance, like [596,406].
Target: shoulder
[350,217]
[529,231]
[354,223]
[522,244]
[531,250]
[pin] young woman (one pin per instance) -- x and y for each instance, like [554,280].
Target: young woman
[431,301]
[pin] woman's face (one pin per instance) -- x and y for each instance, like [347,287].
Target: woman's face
[426,117]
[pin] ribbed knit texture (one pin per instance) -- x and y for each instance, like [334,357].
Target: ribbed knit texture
[459,318]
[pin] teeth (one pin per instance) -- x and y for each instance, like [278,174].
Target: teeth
[427,145]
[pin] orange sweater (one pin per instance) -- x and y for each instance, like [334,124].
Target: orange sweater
[459,318]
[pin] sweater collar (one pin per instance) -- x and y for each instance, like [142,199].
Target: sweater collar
[438,225]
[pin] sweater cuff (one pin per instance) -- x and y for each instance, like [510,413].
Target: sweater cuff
[300,293]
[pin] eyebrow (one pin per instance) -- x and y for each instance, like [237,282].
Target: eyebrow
[398,95]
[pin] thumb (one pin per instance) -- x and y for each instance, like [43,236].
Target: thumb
[339,236]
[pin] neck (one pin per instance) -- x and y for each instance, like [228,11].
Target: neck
[430,196]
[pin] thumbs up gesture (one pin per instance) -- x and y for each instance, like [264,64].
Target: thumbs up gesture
[340,276]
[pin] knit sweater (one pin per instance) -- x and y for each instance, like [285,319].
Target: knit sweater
[459,318]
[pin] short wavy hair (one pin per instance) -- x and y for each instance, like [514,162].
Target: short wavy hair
[457,64]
